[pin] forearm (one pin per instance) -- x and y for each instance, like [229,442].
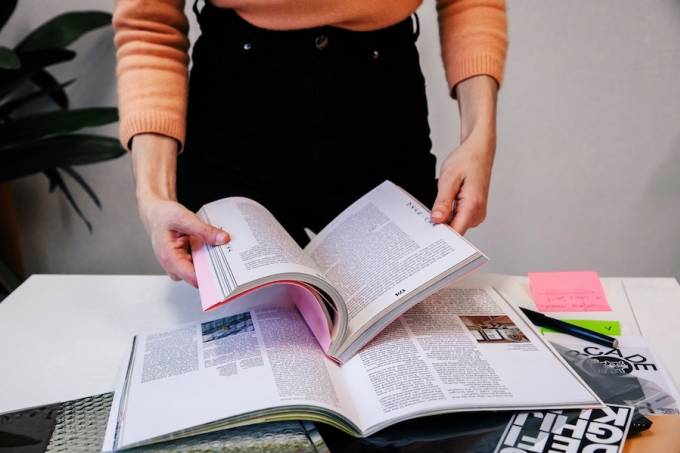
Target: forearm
[464,178]
[152,44]
[477,105]
[154,162]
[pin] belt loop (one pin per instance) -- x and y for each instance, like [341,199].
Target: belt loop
[416,31]
[196,10]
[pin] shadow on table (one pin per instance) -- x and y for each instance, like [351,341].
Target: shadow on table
[471,432]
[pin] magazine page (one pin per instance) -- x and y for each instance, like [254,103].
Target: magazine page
[383,248]
[579,431]
[235,364]
[259,248]
[630,374]
[460,349]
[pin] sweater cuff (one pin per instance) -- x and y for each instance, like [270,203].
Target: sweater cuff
[155,122]
[474,65]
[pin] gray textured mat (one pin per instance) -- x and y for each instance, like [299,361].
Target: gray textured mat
[80,427]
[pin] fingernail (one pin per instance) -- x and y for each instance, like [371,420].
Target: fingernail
[222,238]
[438,215]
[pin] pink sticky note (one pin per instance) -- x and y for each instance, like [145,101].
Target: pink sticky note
[567,291]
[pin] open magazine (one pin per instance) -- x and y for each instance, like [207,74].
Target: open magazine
[377,259]
[462,349]
[628,375]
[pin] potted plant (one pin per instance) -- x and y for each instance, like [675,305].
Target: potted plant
[47,141]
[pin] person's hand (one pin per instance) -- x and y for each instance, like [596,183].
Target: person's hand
[463,185]
[169,224]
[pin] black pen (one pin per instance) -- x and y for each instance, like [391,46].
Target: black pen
[542,320]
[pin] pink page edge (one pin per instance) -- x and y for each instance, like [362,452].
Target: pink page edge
[207,286]
[308,306]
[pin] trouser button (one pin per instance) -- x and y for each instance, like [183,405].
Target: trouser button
[321,42]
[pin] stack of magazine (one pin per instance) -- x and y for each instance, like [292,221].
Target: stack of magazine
[359,330]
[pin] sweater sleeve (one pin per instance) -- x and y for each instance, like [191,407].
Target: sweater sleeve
[474,38]
[152,53]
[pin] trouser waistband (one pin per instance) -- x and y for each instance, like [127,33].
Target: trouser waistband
[226,26]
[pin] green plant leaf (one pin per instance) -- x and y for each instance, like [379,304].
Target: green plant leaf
[63,30]
[37,156]
[43,79]
[7,108]
[31,62]
[6,9]
[56,122]
[77,177]
[57,181]
[8,59]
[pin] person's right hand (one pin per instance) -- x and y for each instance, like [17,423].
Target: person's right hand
[169,224]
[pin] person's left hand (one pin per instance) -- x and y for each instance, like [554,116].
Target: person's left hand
[463,185]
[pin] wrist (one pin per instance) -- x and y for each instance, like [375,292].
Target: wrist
[154,161]
[145,196]
[158,188]
[477,98]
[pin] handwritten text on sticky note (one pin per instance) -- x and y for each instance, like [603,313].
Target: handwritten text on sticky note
[567,291]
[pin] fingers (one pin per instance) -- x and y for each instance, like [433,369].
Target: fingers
[189,223]
[172,251]
[447,188]
[461,202]
[461,221]
[184,269]
[470,210]
[177,263]
[463,187]
[186,273]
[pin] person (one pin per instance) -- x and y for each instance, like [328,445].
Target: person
[302,106]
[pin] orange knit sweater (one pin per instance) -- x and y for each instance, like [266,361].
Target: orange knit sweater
[151,37]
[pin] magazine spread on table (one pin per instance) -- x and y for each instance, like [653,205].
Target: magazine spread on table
[462,349]
[630,374]
[377,259]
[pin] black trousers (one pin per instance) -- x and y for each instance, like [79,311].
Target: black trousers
[304,121]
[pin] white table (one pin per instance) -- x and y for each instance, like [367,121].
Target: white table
[64,337]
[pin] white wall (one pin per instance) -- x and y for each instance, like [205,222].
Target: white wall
[588,164]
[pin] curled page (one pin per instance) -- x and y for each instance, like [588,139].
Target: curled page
[310,309]
[305,301]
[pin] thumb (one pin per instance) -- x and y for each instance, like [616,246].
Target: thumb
[443,204]
[189,223]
